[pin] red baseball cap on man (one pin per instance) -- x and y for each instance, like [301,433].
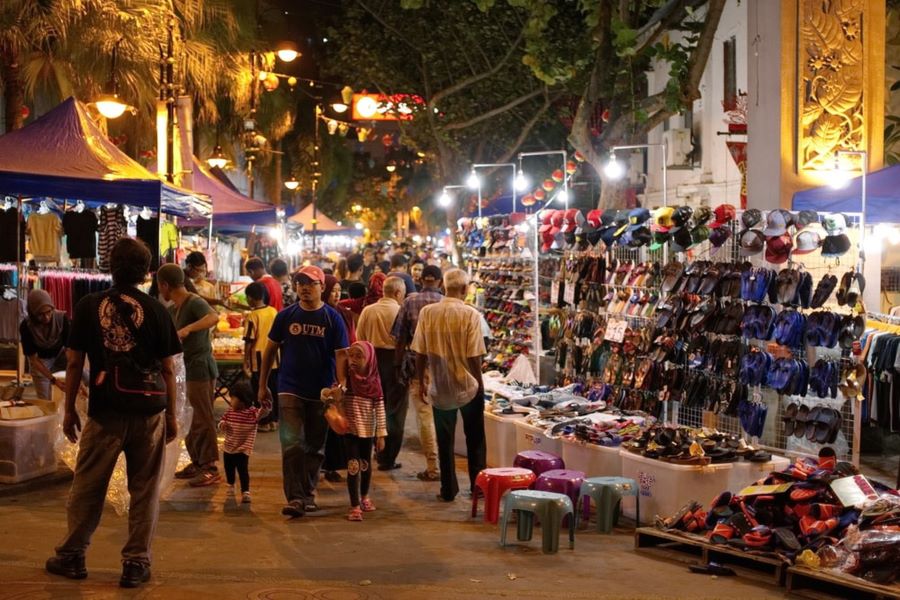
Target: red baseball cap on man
[311,272]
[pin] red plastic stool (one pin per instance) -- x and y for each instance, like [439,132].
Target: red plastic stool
[538,461]
[493,483]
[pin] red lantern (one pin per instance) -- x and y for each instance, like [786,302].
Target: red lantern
[528,200]
[579,156]
[25,111]
[557,175]
[539,195]
[571,167]
[548,185]
[604,116]
[387,140]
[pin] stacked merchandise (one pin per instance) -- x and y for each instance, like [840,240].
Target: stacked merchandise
[818,513]
[504,275]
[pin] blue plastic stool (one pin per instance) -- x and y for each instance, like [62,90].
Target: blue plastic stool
[607,493]
[551,508]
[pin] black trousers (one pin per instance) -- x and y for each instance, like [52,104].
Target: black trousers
[476,446]
[359,466]
[302,428]
[239,462]
[272,417]
[396,403]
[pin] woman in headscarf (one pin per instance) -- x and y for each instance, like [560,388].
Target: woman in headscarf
[331,295]
[44,334]
[376,288]
[335,458]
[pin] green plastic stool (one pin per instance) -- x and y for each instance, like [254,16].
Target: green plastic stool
[551,508]
[607,493]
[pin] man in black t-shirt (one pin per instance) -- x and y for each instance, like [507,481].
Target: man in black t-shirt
[98,328]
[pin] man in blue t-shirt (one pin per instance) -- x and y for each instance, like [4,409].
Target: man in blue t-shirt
[312,338]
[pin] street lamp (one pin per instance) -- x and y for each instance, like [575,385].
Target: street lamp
[287,51]
[444,200]
[475,183]
[521,180]
[563,194]
[613,168]
[110,106]
[217,160]
[292,183]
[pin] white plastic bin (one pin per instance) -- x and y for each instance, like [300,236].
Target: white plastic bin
[594,460]
[500,431]
[27,448]
[529,437]
[665,487]
[747,473]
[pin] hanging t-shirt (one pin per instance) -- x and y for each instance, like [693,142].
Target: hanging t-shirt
[44,231]
[168,239]
[148,231]
[113,227]
[81,233]
[309,339]
[8,219]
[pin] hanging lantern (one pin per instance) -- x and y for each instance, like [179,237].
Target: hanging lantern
[387,140]
[332,126]
[571,167]
[548,185]
[557,175]
[270,82]
[528,200]
[579,156]
[539,195]
[24,111]
[362,133]
[343,128]
[604,116]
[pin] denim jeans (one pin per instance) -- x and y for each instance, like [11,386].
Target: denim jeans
[301,428]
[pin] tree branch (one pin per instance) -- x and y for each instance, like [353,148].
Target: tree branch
[664,21]
[700,55]
[493,112]
[456,87]
[389,27]
[526,129]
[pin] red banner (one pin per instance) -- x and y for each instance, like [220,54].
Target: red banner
[739,154]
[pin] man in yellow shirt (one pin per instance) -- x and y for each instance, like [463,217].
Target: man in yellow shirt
[257,324]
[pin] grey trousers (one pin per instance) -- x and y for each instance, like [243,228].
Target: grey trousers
[200,441]
[143,440]
[301,428]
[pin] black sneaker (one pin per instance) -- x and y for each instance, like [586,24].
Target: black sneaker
[293,509]
[67,566]
[134,574]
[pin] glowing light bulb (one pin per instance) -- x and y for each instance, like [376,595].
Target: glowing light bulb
[613,168]
[473,181]
[444,199]
[521,181]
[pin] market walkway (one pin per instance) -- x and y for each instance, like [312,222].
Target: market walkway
[411,548]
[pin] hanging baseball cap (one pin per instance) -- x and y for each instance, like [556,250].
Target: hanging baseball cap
[808,240]
[660,238]
[639,236]
[556,221]
[751,241]
[835,223]
[778,248]
[717,238]
[805,218]
[751,217]
[638,217]
[682,215]
[593,217]
[702,215]
[571,218]
[663,217]
[622,222]
[724,214]
[699,234]
[681,239]
[777,222]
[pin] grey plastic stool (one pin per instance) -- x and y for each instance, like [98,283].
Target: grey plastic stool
[551,508]
[607,493]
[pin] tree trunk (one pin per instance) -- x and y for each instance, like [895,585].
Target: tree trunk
[613,193]
[13,90]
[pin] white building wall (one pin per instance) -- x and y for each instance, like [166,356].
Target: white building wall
[715,178]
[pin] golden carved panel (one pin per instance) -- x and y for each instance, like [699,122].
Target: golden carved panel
[831,81]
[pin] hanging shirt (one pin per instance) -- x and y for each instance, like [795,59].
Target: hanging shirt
[8,250]
[168,239]
[81,233]
[113,227]
[44,231]
[148,231]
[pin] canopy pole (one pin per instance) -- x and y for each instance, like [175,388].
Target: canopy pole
[20,266]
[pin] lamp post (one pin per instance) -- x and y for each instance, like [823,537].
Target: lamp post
[864,156]
[565,158]
[444,200]
[475,183]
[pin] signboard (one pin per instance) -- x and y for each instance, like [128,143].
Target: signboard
[383,107]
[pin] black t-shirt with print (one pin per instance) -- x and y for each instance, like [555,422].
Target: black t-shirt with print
[97,325]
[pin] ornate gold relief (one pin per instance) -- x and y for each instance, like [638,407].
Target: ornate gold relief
[831,77]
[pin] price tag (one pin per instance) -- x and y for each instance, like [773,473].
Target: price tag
[569,293]
[615,330]
[554,292]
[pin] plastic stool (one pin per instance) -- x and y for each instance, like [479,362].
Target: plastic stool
[563,481]
[538,462]
[607,493]
[549,507]
[493,483]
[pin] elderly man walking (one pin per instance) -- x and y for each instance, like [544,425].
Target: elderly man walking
[448,343]
[374,326]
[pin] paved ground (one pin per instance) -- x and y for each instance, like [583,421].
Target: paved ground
[411,548]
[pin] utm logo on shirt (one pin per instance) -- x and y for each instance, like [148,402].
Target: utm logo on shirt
[307,329]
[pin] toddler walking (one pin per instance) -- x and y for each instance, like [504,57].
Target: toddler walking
[239,425]
[363,405]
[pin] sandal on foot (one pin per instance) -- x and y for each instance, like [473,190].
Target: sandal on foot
[355,514]
[367,505]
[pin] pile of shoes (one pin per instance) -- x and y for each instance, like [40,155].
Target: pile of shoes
[697,447]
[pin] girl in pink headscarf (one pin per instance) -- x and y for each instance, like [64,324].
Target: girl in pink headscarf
[363,405]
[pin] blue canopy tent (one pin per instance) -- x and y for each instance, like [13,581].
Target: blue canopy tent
[882,197]
[64,154]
